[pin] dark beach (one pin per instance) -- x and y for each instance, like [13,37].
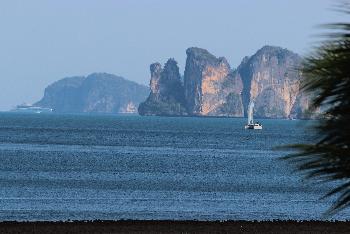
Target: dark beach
[176,227]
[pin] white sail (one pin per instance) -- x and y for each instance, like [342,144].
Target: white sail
[250,112]
[251,124]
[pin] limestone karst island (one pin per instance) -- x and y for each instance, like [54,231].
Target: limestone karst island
[208,87]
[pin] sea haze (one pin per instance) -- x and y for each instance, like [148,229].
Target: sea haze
[79,167]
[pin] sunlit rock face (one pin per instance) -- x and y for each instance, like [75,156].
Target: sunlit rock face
[128,108]
[271,78]
[156,70]
[167,93]
[210,88]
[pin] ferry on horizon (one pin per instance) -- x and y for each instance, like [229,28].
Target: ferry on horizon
[27,108]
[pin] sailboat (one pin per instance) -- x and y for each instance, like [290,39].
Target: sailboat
[251,124]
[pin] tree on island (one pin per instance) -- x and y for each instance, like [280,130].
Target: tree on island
[327,79]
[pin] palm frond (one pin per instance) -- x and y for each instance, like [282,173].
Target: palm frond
[327,80]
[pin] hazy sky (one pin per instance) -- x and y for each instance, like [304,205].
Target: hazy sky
[43,41]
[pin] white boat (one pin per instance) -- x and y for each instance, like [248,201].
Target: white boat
[251,124]
[26,108]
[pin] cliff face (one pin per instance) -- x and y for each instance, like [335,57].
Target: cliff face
[210,88]
[300,109]
[270,78]
[167,92]
[98,92]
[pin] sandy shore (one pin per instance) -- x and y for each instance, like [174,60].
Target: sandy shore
[175,227]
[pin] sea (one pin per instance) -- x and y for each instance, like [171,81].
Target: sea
[121,167]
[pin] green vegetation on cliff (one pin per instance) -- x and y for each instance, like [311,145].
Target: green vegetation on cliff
[98,92]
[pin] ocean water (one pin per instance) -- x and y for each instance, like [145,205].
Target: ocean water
[83,167]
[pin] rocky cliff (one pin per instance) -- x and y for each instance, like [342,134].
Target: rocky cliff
[98,92]
[167,91]
[211,89]
[300,109]
[270,78]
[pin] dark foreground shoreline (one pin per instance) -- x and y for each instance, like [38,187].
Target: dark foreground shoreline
[130,226]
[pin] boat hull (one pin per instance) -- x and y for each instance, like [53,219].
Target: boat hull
[253,126]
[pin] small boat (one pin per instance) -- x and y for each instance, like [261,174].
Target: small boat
[251,124]
[256,125]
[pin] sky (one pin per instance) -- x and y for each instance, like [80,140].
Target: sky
[42,41]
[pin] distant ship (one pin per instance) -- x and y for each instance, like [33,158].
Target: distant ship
[26,108]
[251,124]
